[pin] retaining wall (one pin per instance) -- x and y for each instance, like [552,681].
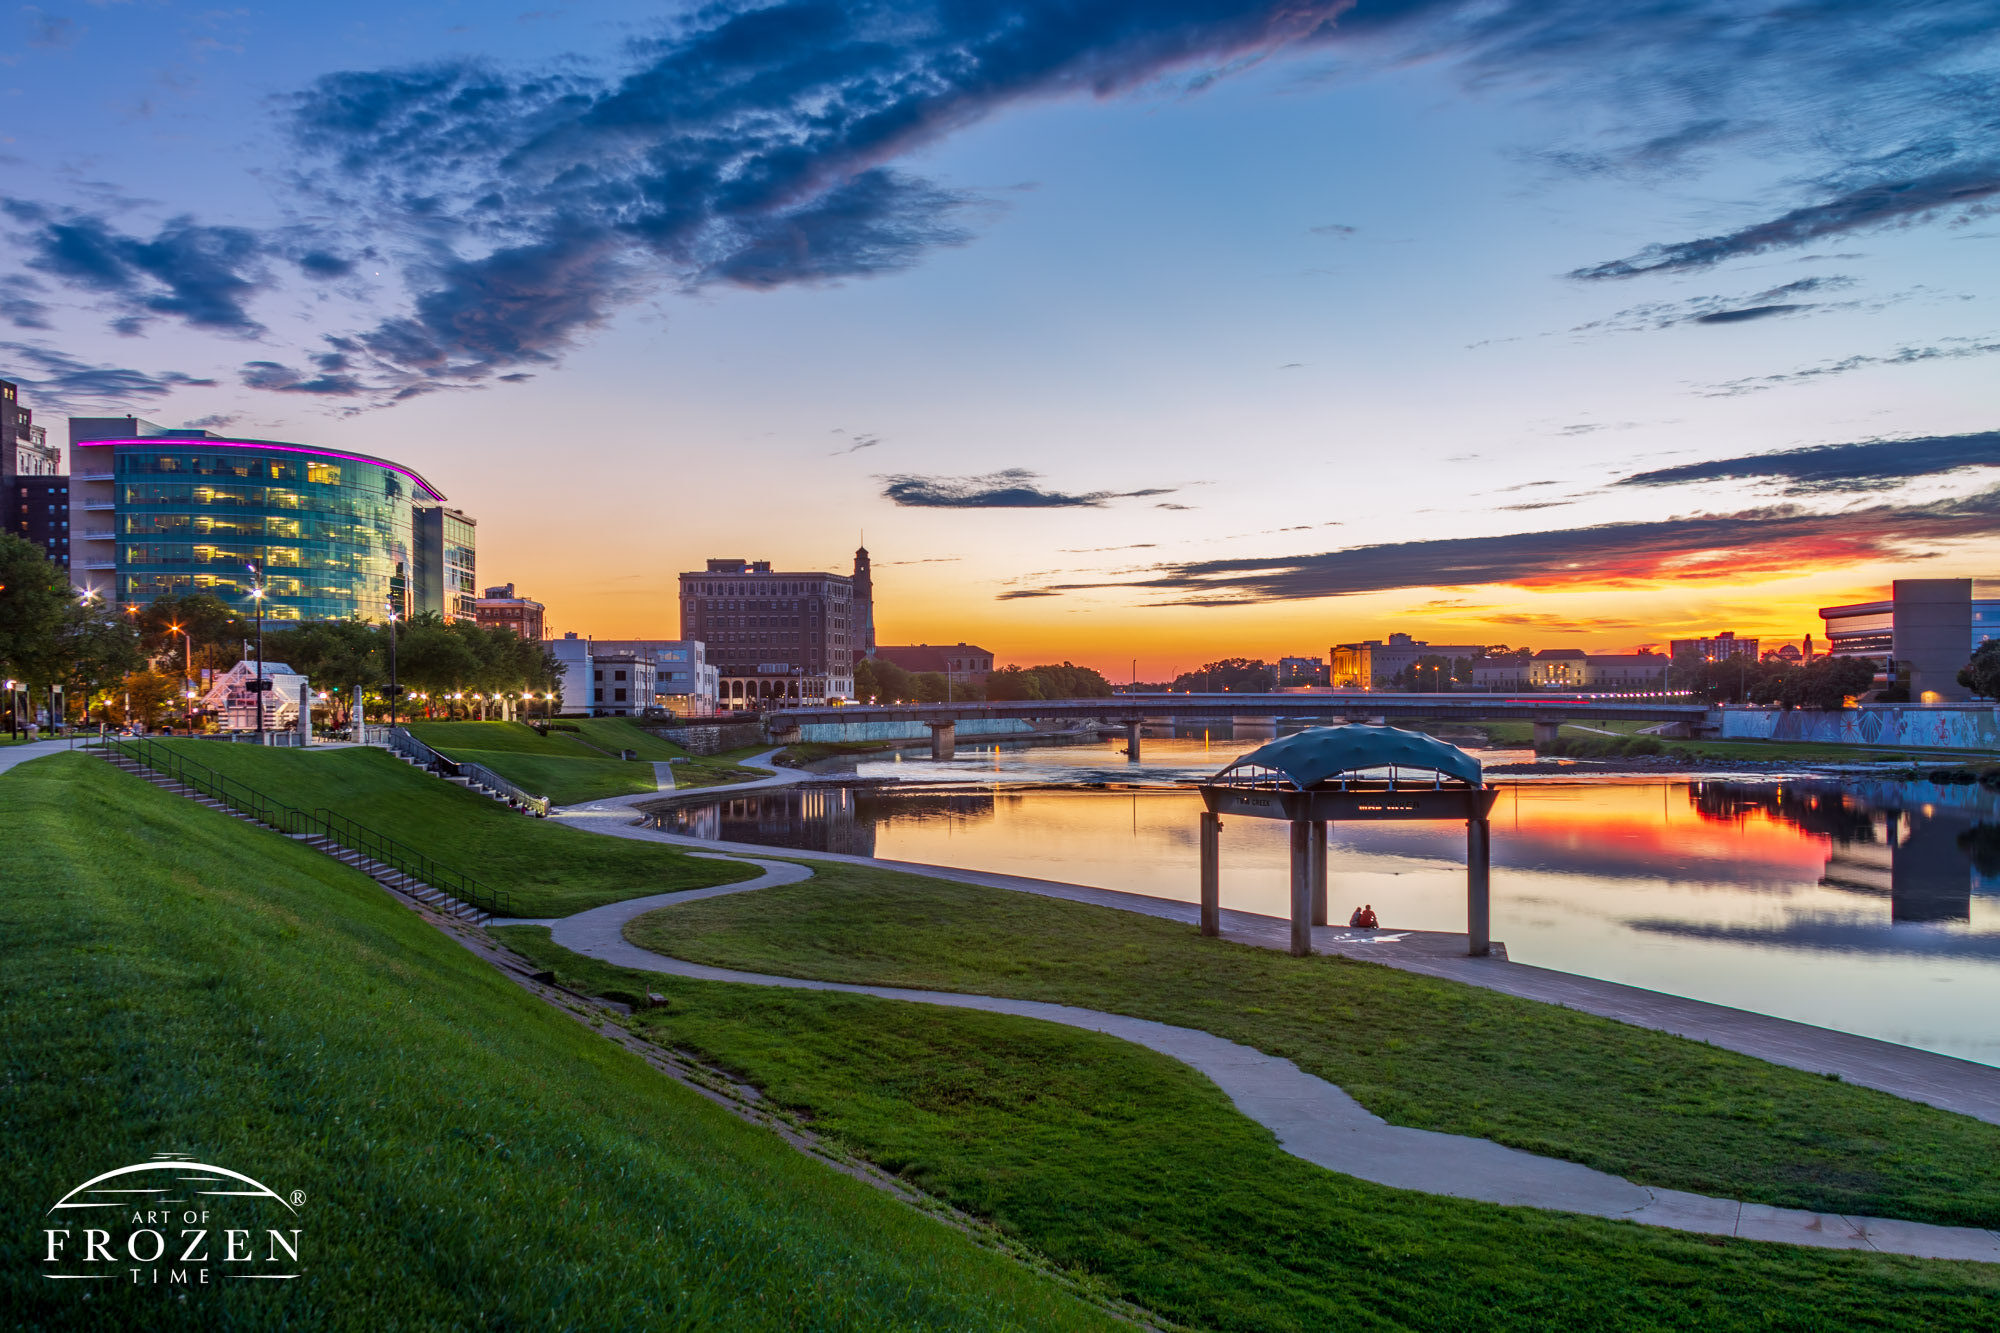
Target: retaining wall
[1915,726]
[910,731]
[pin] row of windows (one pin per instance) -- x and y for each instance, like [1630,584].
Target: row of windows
[706,588]
[352,503]
[132,463]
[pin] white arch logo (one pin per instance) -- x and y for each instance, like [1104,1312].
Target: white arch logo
[171,1222]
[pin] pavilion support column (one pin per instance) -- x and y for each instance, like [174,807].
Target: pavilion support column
[1316,871]
[1302,934]
[1478,877]
[1211,873]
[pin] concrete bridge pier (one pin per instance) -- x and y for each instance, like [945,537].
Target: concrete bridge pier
[1546,733]
[944,739]
[1132,741]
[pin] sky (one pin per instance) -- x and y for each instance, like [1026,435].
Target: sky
[1136,333]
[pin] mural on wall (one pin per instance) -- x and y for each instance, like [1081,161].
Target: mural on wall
[1972,727]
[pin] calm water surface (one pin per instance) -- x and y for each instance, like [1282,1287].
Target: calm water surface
[1868,906]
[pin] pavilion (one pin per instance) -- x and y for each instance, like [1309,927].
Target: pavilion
[1348,773]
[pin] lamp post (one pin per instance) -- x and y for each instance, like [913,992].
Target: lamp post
[13,710]
[187,673]
[257,596]
[394,689]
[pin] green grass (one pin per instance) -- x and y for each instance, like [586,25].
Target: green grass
[568,767]
[811,752]
[543,867]
[1415,1050]
[1131,1167]
[718,770]
[176,981]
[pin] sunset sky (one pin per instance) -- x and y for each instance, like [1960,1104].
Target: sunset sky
[1154,329]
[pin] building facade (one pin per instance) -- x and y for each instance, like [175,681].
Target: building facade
[1295,671]
[774,636]
[446,553]
[34,489]
[959,661]
[1373,664]
[863,606]
[501,609]
[1715,648]
[634,677]
[154,511]
[1921,635]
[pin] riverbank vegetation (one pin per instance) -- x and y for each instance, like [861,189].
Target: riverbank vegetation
[468,1156]
[544,868]
[1123,1164]
[1415,1050]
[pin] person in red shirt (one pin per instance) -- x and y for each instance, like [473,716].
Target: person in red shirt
[1364,917]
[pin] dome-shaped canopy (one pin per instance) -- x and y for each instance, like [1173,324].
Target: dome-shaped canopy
[1312,756]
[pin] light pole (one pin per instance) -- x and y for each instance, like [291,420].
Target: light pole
[394,689]
[260,685]
[187,673]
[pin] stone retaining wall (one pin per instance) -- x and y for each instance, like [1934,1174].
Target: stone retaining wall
[1915,726]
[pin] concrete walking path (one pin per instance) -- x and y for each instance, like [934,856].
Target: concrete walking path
[1317,1121]
[10,755]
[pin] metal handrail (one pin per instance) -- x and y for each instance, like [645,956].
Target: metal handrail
[405,744]
[398,856]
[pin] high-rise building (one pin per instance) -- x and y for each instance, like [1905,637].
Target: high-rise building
[445,545]
[501,609]
[1714,648]
[1921,635]
[774,636]
[156,511]
[34,490]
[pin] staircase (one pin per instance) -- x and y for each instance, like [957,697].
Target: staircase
[277,818]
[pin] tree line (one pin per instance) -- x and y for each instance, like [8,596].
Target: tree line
[877,680]
[84,661]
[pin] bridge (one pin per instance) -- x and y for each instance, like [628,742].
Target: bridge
[1545,711]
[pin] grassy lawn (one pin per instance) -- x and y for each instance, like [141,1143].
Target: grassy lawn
[545,868]
[1131,1167]
[470,1158]
[717,770]
[1417,1051]
[568,767]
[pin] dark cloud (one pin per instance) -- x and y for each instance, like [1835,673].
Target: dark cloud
[275,378]
[1025,592]
[202,275]
[1338,230]
[1945,349]
[748,145]
[1748,313]
[213,421]
[1779,540]
[20,309]
[860,442]
[67,384]
[1869,465]
[1012,488]
[1537,504]
[1957,188]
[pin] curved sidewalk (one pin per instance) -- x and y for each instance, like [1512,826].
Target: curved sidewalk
[1317,1121]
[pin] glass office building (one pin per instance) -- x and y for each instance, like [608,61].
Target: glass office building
[185,511]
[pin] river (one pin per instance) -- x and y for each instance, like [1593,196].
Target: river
[1867,905]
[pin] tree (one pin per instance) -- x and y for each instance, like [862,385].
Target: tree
[877,681]
[145,697]
[342,657]
[1238,675]
[34,600]
[1982,674]
[215,630]
[96,648]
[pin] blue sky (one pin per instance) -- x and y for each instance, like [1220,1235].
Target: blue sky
[1167,330]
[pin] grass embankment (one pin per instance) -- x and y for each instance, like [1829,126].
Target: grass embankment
[1417,1051]
[811,752]
[544,868]
[719,770]
[1128,1165]
[576,762]
[176,981]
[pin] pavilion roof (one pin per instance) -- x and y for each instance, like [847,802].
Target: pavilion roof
[1312,756]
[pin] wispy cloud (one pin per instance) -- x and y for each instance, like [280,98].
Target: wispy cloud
[1869,465]
[67,384]
[1945,349]
[1012,488]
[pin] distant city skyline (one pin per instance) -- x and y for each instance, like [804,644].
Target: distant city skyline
[1170,330]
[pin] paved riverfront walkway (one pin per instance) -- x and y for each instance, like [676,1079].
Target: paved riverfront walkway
[1314,1119]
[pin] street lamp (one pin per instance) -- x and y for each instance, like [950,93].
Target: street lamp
[187,672]
[394,689]
[261,685]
